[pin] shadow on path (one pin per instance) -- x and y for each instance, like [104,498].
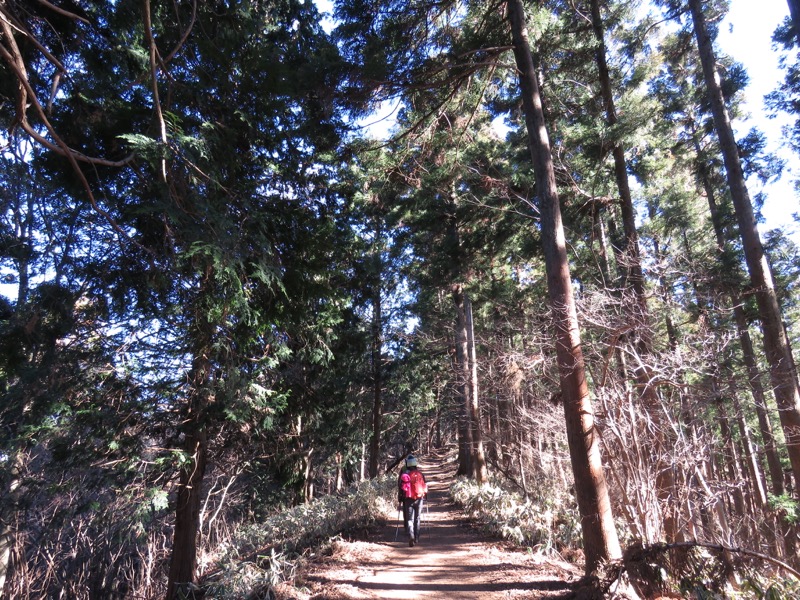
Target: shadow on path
[451,561]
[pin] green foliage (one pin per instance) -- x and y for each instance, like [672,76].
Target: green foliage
[543,524]
[787,506]
[148,148]
[705,572]
[758,587]
[784,259]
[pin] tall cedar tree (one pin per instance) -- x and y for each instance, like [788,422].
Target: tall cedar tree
[776,344]
[634,280]
[600,537]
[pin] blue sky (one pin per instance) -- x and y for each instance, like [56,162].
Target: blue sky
[746,35]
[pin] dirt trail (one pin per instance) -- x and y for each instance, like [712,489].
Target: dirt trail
[451,561]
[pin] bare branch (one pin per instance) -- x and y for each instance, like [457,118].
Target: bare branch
[61,11]
[26,92]
[723,548]
[12,22]
[148,34]
[185,35]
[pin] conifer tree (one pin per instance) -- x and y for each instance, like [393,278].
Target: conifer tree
[208,173]
[715,275]
[600,537]
[784,379]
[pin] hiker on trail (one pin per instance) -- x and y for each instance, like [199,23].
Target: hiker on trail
[412,489]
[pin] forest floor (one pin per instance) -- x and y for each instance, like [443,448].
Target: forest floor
[453,560]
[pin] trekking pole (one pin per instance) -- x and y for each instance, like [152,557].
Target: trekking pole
[397,528]
[424,512]
[421,518]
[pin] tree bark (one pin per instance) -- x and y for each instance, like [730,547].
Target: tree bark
[714,500]
[753,468]
[183,562]
[776,344]
[509,404]
[377,382]
[478,455]
[339,481]
[759,399]
[599,235]
[308,476]
[729,464]
[745,342]
[8,516]
[599,535]
[465,441]
[632,257]
[633,279]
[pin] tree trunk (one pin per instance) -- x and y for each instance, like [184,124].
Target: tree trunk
[759,399]
[339,481]
[465,441]
[362,470]
[665,289]
[438,442]
[508,405]
[308,472]
[753,468]
[729,464]
[377,383]
[743,332]
[776,345]
[599,234]
[631,264]
[715,500]
[6,544]
[183,561]
[599,535]
[187,511]
[478,456]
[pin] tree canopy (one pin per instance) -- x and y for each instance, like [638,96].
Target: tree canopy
[222,297]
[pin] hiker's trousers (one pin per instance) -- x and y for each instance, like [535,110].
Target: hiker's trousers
[412,509]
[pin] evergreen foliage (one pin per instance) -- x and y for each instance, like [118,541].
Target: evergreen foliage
[221,298]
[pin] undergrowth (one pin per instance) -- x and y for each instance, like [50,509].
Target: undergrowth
[545,524]
[265,554]
[705,572]
[690,570]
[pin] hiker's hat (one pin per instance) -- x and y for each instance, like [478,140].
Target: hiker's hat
[411,461]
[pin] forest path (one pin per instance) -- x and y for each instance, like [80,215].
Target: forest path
[451,561]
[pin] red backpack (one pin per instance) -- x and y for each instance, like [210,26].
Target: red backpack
[417,487]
